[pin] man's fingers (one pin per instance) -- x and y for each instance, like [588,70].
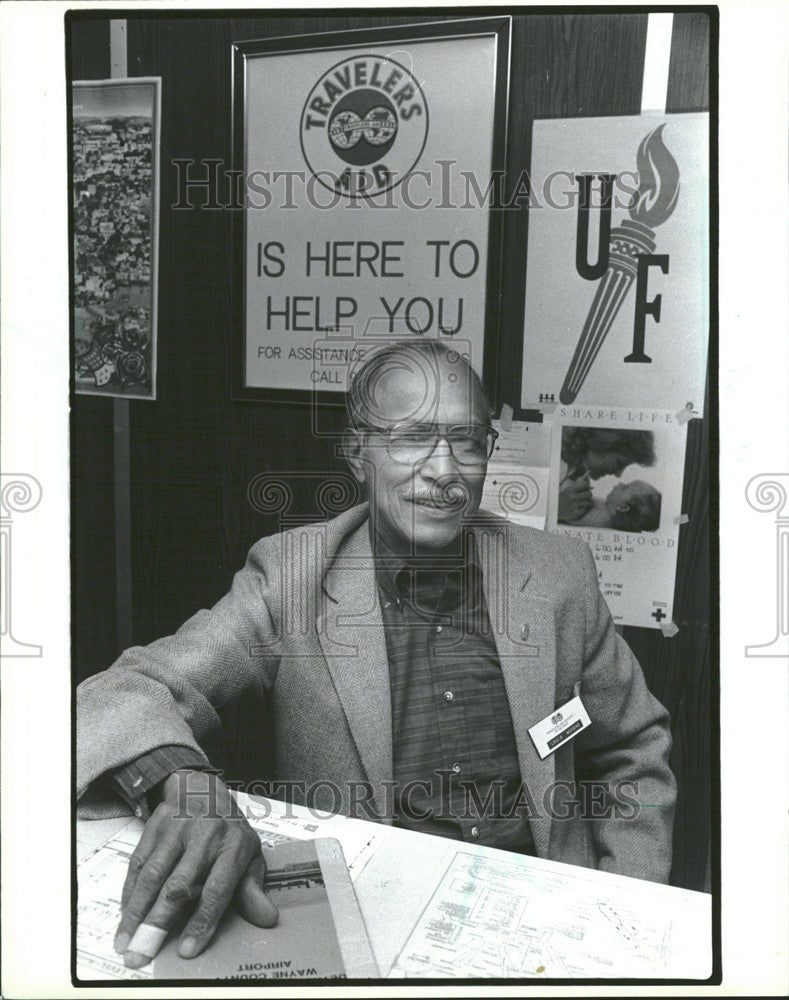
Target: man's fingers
[144,945]
[184,885]
[150,879]
[251,899]
[217,893]
[147,844]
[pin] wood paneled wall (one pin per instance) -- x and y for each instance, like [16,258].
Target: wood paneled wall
[195,450]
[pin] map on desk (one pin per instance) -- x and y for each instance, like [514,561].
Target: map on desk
[491,917]
[100,883]
[320,933]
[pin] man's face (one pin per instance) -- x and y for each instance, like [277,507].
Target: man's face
[421,504]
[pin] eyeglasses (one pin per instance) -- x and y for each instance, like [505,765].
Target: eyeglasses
[410,444]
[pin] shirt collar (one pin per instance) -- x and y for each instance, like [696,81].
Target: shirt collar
[444,574]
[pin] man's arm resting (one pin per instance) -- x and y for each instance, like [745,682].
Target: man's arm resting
[169,692]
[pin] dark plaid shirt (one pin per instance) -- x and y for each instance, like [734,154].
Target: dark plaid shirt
[453,741]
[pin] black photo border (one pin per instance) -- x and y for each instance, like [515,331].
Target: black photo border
[449,28]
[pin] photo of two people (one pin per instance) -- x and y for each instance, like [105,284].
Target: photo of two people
[591,489]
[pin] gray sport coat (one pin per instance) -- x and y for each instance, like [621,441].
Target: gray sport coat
[302,627]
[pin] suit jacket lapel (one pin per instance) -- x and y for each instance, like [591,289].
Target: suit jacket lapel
[352,638]
[524,630]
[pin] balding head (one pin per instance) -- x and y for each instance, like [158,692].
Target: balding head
[425,369]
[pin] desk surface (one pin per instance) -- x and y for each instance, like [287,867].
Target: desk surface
[432,908]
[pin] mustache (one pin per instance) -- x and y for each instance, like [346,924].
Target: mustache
[451,495]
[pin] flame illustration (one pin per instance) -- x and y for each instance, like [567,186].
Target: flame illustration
[658,191]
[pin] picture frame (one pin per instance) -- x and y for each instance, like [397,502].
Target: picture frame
[299,331]
[115,138]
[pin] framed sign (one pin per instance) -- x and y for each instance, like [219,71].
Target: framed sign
[367,165]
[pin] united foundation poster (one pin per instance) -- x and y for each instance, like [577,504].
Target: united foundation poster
[352,157]
[616,483]
[617,269]
[115,144]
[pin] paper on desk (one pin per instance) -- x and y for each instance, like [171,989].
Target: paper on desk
[516,916]
[100,880]
[101,875]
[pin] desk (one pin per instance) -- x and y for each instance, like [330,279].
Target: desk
[646,930]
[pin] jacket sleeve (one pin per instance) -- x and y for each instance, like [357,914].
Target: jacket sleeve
[626,749]
[167,693]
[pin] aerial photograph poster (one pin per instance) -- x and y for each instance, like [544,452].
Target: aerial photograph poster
[115,150]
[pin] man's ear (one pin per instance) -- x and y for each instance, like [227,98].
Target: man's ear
[352,448]
[623,506]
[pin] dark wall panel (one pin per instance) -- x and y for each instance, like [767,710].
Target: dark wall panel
[689,69]
[92,505]
[88,49]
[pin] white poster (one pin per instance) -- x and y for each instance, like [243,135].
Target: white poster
[617,300]
[516,484]
[352,157]
[616,483]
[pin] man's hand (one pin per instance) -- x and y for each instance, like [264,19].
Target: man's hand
[575,499]
[196,845]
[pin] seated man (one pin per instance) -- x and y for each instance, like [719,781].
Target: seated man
[406,647]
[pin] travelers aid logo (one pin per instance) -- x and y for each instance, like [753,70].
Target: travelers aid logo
[364,126]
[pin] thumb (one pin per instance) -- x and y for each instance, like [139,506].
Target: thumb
[251,899]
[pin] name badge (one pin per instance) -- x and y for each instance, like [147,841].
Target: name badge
[559,727]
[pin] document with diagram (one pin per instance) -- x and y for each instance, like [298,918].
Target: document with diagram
[517,916]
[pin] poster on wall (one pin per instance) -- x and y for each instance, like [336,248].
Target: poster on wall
[618,261]
[366,159]
[115,196]
[517,478]
[616,483]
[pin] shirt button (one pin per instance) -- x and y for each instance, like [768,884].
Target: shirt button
[448,696]
[475,832]
[439,628]
[138,811]
[456,767]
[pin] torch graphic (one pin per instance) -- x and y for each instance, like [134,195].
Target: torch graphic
[653,203]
